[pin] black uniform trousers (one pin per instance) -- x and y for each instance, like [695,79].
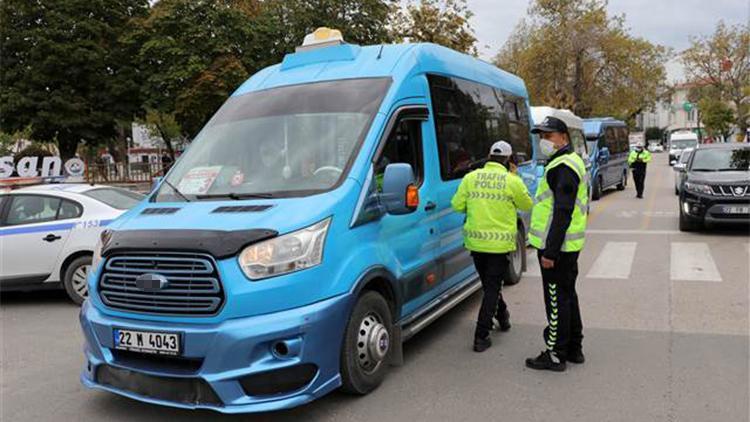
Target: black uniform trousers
[492,269]
[564,331]
[639,177]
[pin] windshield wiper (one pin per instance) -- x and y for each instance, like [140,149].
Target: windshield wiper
[731,169]
[236,196]
[703,170]
[177,191]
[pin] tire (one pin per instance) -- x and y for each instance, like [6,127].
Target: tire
[686,224]
[516,259]
[676,191]
[597,191]
[74,279]
[370,327]
[624,182]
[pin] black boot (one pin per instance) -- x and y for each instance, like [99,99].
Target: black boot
[546,361]
[501,322]
[482,343]
[575,356]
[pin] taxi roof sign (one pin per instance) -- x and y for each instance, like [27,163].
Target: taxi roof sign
[321,37]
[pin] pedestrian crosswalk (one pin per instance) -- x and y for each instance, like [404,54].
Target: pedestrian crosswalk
[687,261]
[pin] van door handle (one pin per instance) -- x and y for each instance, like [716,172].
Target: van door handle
[430,206]
[51,238]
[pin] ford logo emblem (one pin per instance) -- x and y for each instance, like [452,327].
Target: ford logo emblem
[151,282]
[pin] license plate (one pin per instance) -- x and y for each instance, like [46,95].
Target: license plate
[736,210]
[148,342]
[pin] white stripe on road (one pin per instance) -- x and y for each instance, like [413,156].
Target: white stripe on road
[692,262]
[532,264]
[614,261]
[615,231]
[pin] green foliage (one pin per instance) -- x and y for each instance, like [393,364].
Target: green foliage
[283,24]
[193,54]
[443,22]
[717,116]
[573,55]
[722,61]
[64,70]
[654,132]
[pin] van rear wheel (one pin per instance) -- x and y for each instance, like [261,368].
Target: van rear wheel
[366,351]
[516,258]
[623,181]
[597,191]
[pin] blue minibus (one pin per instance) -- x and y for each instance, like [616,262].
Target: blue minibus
[607,139]
[305,234]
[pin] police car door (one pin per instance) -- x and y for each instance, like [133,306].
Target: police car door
[31,237]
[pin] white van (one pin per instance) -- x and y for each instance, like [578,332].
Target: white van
[679,141]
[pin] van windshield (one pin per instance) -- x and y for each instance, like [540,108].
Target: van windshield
[683,143]
[288,141]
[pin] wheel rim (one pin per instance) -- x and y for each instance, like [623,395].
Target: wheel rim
[373,342]
[79,281]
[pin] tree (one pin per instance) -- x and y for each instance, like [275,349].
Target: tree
[723,61]
[717,117]
[444,22]
[283,24]
[193,54]
[654,132]
[64,71]
[573,55]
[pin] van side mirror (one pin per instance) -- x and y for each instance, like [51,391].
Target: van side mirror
[400,194]
[155,183]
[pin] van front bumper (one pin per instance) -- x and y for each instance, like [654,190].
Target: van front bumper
[254,364]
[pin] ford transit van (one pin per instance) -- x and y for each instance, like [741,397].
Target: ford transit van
[305,234]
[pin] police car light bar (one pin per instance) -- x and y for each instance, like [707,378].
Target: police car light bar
[321,37]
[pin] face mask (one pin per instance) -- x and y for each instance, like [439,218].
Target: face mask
[547,147]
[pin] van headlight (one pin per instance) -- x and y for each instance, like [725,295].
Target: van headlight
[285,254]
[97,258]
[699,188]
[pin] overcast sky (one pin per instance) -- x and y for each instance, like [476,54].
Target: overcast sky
[666,22]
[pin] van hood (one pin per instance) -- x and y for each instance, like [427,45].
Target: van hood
[720,177]
[282,215]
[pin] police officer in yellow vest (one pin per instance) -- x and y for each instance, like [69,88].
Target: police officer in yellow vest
[637,160]
[490,197]
[558,226]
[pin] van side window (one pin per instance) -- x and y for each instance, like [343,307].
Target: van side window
[622,136]
[579,142]
[610,136]
[469,118]
[520,135]
[404,145]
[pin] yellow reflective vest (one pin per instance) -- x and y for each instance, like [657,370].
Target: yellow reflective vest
[643,156]
[544,203]
[490,197]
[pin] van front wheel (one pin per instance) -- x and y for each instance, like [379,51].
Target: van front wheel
[367,346]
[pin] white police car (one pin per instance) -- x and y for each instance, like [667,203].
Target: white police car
[48,233]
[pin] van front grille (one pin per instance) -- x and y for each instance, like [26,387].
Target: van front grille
[193,286]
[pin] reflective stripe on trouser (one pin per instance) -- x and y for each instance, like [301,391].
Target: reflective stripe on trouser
[552,320]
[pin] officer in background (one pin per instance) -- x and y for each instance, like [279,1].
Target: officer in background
[637,160]
[558,226]
[490,197]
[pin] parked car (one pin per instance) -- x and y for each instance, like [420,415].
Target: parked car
[53,230]
[680,169]
[678,141]
[608,148]
[655,146]
[306,233]
[717,187]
